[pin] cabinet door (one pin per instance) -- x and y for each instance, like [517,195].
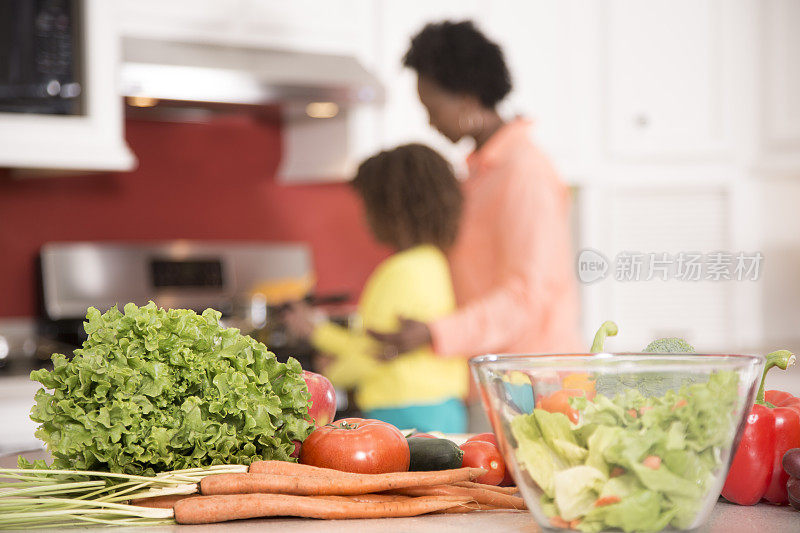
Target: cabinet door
[665,71]
[177,19]
[781,74]
[552,54]
[333,26]
[673,221]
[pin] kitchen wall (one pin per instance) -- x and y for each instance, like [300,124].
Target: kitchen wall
[211,181]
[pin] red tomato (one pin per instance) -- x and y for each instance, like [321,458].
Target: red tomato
[485,437]
[481,454]
[508,481]
[423,435]
[357,445]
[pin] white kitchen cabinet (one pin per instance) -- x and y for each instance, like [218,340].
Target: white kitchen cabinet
[340,26]
[191,20]
[666,67]
[336,26]
[93,140]
[636,220]
[780,72]
[551,50]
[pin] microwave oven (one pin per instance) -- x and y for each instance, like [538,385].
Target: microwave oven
[40,57]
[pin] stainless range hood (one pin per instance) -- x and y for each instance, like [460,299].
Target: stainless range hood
[214,73]
[325,129]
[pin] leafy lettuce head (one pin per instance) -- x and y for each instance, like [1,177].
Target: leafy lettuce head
[154,390]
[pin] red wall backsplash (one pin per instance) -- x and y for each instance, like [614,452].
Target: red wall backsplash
[212,181]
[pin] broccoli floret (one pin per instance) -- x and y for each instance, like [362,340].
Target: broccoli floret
[669,345]
[647,383]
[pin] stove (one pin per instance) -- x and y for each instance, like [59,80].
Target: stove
[228,277]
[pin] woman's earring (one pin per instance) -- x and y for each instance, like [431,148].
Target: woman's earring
[479,124]
[464,129]
[471,124]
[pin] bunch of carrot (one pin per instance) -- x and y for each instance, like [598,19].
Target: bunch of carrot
[278,488]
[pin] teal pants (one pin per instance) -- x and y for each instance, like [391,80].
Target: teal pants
[521,395]
[449,416]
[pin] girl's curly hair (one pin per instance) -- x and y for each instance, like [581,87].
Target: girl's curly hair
[411,197]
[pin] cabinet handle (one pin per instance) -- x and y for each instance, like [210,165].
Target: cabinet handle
[641,120]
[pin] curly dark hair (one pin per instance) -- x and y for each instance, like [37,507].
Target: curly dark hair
[457,56]
[411,197]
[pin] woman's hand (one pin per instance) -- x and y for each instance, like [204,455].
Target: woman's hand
[300,319]
[412,334]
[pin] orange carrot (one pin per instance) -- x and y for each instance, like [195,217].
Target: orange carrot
[680,403]
[468,508]
[616,471]
[221,508]
[558,402]
[652,461]
[365,498]
[161,502]
[345,485]
[286,468]
[607,500]
[472,485]
[575,523]
[483,496]
[557,521]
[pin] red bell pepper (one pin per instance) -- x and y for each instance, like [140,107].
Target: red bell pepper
[773,427]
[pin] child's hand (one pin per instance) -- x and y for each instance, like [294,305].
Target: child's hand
[321,362]
[412,334]
[300,319]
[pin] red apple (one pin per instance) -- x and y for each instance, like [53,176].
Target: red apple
[323,398]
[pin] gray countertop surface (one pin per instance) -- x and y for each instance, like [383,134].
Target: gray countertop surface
[725,518]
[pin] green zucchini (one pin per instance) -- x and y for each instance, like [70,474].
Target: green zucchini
[433,454]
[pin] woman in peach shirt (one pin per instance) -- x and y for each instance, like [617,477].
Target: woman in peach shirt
[512,264]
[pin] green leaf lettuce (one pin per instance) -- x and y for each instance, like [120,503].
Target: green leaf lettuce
[154,390]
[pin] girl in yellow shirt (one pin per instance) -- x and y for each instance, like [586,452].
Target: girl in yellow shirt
[413,203]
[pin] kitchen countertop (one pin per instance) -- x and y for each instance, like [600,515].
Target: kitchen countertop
[725,518]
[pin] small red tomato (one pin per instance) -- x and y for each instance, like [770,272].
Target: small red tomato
[481,454]
[357,445]
[423,435]
[508,481]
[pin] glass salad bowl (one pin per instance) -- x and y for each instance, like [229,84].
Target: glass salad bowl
[610,442]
